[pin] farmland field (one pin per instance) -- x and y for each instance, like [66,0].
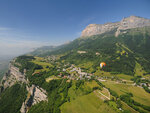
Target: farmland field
[86,104]
[139,94]
[45,65]
[51,78]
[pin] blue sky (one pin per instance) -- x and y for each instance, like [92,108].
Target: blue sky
[27,24]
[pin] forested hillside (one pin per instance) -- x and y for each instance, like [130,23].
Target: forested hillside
[69,78]
[120,53]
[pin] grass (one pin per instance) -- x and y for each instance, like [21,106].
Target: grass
[73,93]
[51,78]
[39,61]
[123,76]
[138,70]
[114,106]
[139,94]
[86,104]
[91,84]
[128,108]
[105,92]
[102,95]
[102,73]
[108,74]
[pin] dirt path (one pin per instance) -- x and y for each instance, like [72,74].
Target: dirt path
[103,95]
[108,92]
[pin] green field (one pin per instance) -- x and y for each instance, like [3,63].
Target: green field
[108,74]
[80,102]
[139,94]
[123,76]
[86,104]
[138,70]
[126,107]
[51,78]
[73,93]
[39,61]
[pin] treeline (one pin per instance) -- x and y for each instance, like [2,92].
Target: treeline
[99,83]
[135,105]
[127,98]
[12,98]
[26,64]
[139,81]
[57,95]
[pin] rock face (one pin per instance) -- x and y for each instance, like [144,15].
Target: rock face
[94,29]
[12,76]
[35,95]
[126,23]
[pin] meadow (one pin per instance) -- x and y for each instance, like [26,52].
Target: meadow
[86,104]
[139,94]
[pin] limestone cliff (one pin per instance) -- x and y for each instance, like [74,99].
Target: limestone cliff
[12,76]
[35,93]
[125,23]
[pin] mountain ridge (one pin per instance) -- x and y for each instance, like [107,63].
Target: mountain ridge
[70,74]
[125,23]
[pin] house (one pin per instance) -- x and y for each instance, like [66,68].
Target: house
[64,69]
[97,53]
[65,76]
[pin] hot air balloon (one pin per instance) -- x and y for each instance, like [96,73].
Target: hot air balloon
[102,64]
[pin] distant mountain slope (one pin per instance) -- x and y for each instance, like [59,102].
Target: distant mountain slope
[45,50]
[68,78]
[120,53]
[42,50]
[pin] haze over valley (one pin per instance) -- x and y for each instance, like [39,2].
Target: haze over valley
[75,56]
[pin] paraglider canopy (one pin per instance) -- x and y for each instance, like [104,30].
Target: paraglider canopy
[102,64]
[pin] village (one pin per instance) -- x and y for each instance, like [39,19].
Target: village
[75,73]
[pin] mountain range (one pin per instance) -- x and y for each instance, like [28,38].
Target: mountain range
[68,78]
[131,45]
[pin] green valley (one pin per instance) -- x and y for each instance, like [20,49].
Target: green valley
[100,73]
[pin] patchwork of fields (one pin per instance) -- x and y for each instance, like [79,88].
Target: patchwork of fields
[87,104]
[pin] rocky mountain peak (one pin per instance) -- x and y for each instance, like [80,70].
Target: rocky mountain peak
[134,22]
[125,23]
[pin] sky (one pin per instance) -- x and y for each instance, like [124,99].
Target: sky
[28,24]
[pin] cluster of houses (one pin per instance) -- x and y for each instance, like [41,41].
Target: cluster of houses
[75,73]
[51,58]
